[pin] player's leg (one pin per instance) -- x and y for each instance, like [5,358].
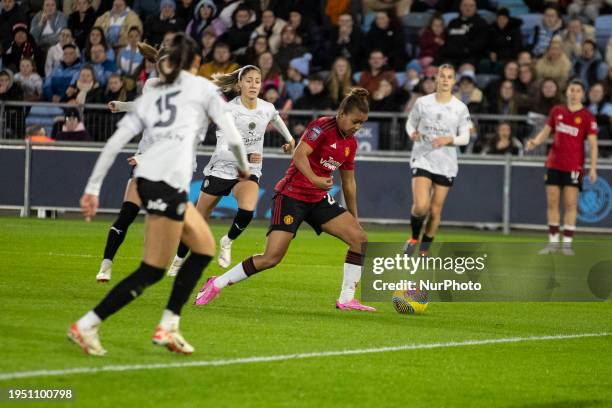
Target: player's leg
[570,211]
[196,235]
[421,199]
[553,194]
[205,206]
[247,194]
[116,234]
[345,227]
[438,198]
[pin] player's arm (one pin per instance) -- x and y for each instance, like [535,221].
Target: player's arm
[118,106]
[539,139]
[349,189]
[300,159]
[279,124]
[594,153]
[413,122]
[225,121]
[462,137]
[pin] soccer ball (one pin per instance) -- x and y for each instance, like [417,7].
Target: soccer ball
[410,301]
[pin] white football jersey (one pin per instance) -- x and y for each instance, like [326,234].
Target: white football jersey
[146,141]
[251,124]
[433,119]
[174,117]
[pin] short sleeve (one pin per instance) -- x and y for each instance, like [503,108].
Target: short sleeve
[313,135]
[591,126]
[349,164]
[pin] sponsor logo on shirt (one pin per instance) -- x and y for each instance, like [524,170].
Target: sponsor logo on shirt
[314,134]
[567,129]
[157,205]
[330,163]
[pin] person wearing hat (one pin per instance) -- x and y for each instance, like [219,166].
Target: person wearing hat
[165,21]
[468,92]
[505,40]
[23,46]
[205,18]
[298,69]
[73,128]
[10,14]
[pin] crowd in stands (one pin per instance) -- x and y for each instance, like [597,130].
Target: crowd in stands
[311,52]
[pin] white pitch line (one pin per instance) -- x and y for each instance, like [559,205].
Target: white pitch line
[283,357]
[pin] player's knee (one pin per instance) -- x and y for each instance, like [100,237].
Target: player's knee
[419,209]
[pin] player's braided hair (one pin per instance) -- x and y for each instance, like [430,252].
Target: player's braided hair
[228,82]
[357,98]
[180,56]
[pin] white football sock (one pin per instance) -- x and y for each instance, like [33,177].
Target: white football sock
[169,320]
[567,239]
[90,321]
[352,276]
[234,275]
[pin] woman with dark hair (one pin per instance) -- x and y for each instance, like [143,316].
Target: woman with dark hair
[96,36]
[205,17]
[162,178]
[81,21]
[431,40]
[258,46]
[387,35]
[302,195]
[548,96]
[270,72]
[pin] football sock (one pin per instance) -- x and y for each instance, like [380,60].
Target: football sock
[128,289]
[239,272]
[416,223]
[186,279]
[426,243]
[352,276]
[182,250]
[169,320]
[553,233]
[89,321]
[241,221]
[116,234]
[568,234]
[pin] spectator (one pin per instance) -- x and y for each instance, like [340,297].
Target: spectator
[258,47]
[346,41]
[524,58]
[102,66]
[314,98]
[157,25]
[205,16]
[510,72]
[272,27]
[590,68]
[370,79]
[116,22]
[526,85]
[503,142]
[239,35]
[47,24]
[505,39]
[117,91]
[130,58]
[11,15]
[397,7]
[307,33]
[29,81]
[81,22]
[70,6]
[270,72]
[14,119]
[507,103]
[184,11]
[607,83]
[289,48]
[340,81]
[334,10]
[271,94]
[574,36]
[298,69]
[431,40]
[146,8]
[387,35]
[387,99]
[548,96]
[221,62]
[554,64]
[207,46]
[37,134]
[551,25]
[601,108]
[86,89]
[73,129]
[96,36]
[23,46]
[468,92]
[466,37]
[147,71]
[426,86]
[57,83]
[414,72]
[229,7]
[585,8]
[56,53]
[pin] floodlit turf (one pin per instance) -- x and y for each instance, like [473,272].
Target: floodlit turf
[47,280]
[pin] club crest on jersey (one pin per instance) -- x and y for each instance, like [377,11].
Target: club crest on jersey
[577,120]
[347,151]
[251,125]
[314,134]
[288,220]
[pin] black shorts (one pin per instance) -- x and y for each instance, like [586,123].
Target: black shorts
[561,178]
[435,178]
[218,186]
[161,199]
[288,213]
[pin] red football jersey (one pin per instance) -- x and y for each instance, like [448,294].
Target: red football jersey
[331,151]
[570,130]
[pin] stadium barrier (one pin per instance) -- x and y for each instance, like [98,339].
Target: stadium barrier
[490,192]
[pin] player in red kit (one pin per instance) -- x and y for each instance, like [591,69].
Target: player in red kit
[302,195]
[572,124]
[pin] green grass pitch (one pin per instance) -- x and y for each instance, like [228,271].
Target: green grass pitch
[47,281]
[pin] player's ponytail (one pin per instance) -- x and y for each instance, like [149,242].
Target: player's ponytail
[357,98]
[180,56]
[149,53]
[228,82]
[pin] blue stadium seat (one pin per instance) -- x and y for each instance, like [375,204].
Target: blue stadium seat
[487,15]
[448,17]
[482,80]
[603,30]
[43,116]
[416,20]
[529,22]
